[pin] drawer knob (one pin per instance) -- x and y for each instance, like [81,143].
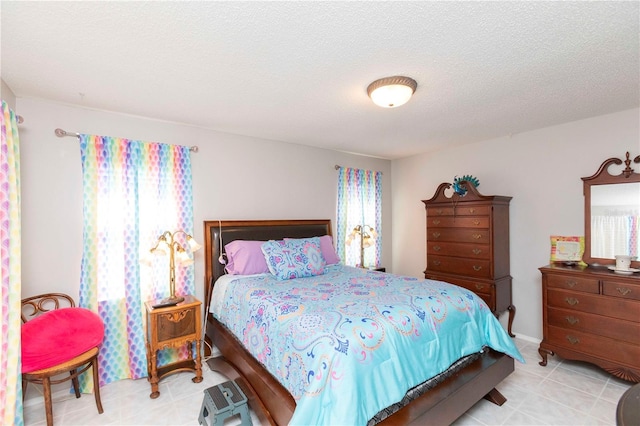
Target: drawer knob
[476,236]
[573,340]
[436,221]
[477,268]
[476,251]
[436,248]
[436,262]
[472,210]
[572,320]
[436,235]
[571,283]
[623,291]
[479,286]
[439,212]
[476,222]
[571,301]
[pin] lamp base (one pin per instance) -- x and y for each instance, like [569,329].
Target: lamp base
[169,301]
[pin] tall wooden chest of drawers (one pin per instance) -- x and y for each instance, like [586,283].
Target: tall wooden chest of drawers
[592,314]
[468,245]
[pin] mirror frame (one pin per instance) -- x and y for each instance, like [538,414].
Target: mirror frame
[603,177]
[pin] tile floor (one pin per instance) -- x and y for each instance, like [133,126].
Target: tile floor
[562,393]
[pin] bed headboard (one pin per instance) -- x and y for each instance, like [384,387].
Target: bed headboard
[261,230]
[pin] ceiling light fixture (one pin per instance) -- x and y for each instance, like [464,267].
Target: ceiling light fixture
[391,92]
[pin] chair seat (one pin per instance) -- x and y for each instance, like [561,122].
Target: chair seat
[66,366]
[60,337]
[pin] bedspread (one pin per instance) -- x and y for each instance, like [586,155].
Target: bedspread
[350,342]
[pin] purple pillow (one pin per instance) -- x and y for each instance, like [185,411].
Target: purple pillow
[327,249]
[245,258]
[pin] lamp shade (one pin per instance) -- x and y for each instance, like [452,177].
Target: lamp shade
[162,247]
[193,244]
[391,92]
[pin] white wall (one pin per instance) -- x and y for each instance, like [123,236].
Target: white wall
[540,169]
[234,177]
[7,95]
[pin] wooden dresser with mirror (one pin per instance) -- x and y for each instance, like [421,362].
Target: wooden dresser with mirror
[592,313]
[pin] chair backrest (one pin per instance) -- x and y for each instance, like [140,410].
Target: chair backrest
[36,305]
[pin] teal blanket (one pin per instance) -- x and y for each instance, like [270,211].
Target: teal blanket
[351,342]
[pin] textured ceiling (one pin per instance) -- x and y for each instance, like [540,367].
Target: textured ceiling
[298,71]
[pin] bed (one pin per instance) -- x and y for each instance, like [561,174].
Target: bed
[439,400]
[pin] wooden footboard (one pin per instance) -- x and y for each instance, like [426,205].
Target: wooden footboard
[439,406]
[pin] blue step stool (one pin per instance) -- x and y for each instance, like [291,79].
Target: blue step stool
[223,401]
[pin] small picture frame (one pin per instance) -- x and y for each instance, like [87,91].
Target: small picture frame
[567,249]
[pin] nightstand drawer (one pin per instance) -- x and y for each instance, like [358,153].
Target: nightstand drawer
[175,324]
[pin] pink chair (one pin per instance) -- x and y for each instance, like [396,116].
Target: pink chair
[58,338]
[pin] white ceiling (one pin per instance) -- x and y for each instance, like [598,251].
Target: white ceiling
[298,71]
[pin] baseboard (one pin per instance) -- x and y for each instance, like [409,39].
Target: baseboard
[527,338]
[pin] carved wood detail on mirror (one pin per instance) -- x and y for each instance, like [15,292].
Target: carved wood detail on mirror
[611,211]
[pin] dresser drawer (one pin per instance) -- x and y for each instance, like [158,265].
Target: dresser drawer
[459,211]
[612,307]
[472,251]
[455,265]
[459,235]
[595,324]
[477,287]
[458,222]
[621,289]
[588,285]
[603,347]
[486,291]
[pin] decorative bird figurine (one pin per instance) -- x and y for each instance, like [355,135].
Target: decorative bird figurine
[459,188]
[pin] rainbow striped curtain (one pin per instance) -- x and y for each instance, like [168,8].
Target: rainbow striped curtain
[133,192]
[359,204]
[10,289]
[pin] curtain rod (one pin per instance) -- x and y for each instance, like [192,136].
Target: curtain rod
[337,167]
[62,133]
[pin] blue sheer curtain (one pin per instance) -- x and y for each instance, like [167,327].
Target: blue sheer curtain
[359,204]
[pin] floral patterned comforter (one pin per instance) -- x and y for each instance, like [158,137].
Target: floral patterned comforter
[351,342]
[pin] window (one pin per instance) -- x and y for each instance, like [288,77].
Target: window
[359,211]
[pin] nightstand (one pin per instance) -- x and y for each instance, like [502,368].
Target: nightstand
[173,327]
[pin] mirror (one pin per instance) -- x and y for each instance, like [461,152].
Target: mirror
[612,213]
